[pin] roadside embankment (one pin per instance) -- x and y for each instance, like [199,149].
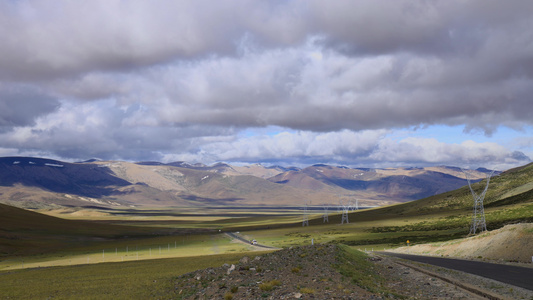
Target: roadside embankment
[512,243]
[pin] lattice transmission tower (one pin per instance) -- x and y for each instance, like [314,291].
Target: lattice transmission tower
[345,209]
[325,216]
[306,216]
[478,214]
[354,205]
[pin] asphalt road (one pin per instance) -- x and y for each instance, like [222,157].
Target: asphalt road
[240,238]
[514,275]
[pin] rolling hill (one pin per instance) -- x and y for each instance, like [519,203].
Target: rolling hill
[513,186]
[509,200]
[24,232]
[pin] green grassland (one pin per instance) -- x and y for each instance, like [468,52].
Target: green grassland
[138,241]
[125,250]
[438,218]
[143,279]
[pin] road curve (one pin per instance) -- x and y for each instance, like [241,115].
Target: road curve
[240,238]
[513,275]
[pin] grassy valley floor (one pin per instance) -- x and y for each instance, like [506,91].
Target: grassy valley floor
[311,271]
[308,272]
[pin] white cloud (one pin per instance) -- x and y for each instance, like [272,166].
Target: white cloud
[138,81]
[287,88]
[373,148]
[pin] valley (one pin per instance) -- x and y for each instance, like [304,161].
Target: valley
[92,239]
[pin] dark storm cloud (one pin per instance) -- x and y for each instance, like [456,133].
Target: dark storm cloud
[21,106]
[41,40]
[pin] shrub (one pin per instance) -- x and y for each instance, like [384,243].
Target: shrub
[268,286]
[275,282]
[307,291]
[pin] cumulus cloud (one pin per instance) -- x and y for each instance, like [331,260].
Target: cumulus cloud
[369,148]
[181,79]
[103,130]
[308,88]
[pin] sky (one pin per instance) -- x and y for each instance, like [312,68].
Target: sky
[367,83]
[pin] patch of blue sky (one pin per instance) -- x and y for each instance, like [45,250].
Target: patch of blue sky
[264,131]
[504,136]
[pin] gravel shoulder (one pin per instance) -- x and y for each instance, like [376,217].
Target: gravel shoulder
[492,289]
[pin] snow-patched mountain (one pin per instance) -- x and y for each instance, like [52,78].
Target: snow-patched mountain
[37,182]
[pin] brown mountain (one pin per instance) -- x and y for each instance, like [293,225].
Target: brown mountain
[38,183]
[396,184]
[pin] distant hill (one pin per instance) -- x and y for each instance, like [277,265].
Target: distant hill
[400,184]
[84,179]
[40,183]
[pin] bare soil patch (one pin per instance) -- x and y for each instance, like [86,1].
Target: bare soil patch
[512,243]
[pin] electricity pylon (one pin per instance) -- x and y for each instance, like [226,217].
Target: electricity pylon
[478,214]
[326,207]
[306,217]
[345,210]
[354,205]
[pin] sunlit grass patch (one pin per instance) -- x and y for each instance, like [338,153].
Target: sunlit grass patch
[130,250]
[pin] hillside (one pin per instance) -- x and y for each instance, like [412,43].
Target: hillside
[398,184]
[509,200]
[24,232]
[86,180]
[198,185]
[43,183]
[514,186]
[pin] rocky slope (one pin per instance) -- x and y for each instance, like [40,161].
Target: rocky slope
[319,272]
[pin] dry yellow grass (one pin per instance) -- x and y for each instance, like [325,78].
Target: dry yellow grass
[510,243]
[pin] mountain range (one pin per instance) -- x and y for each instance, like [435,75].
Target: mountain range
[31,182]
